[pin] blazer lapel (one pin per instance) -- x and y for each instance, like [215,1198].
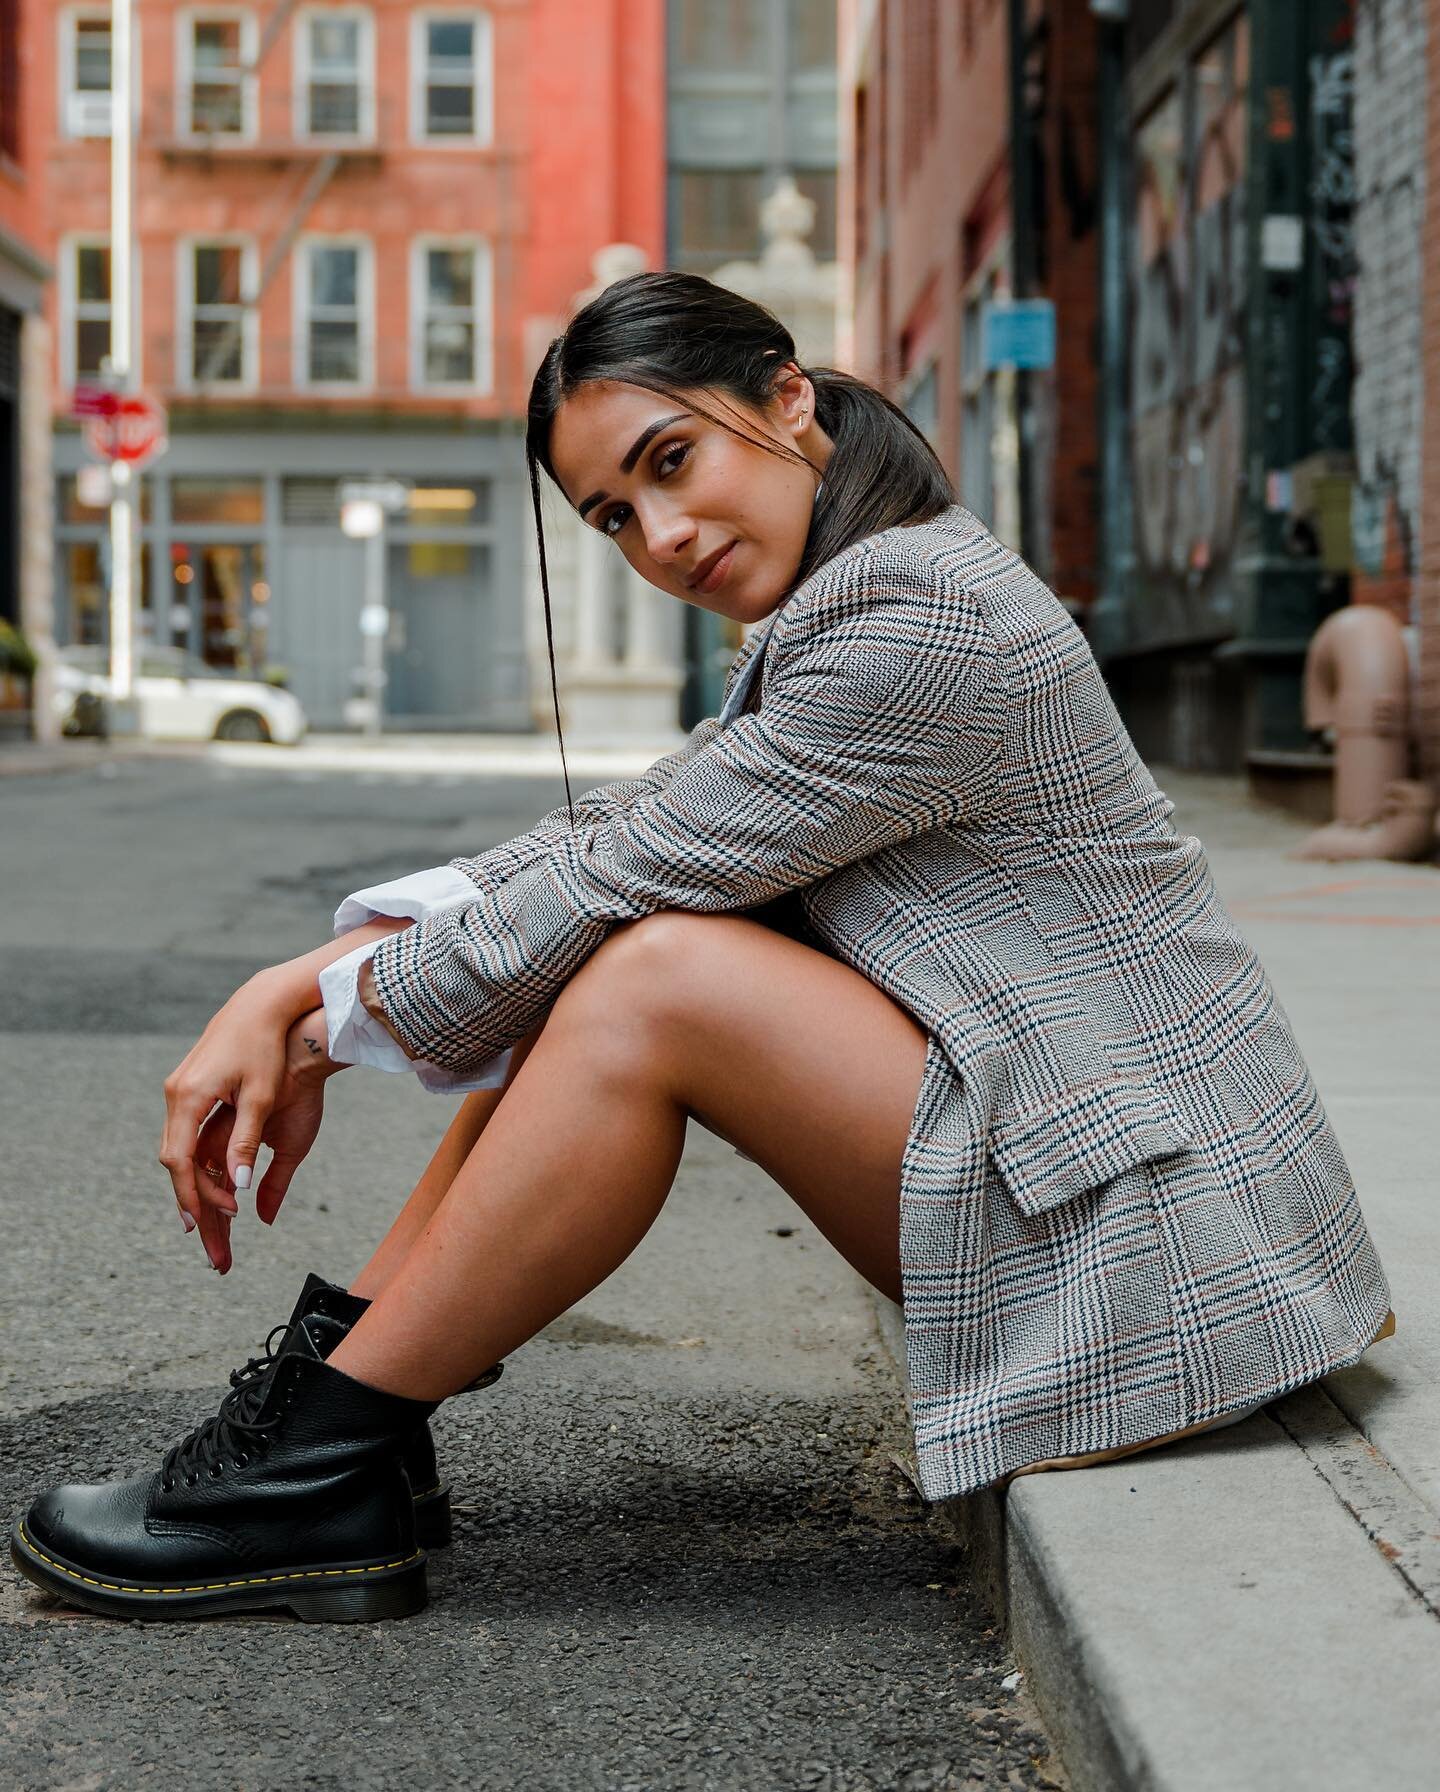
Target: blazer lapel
[746,667]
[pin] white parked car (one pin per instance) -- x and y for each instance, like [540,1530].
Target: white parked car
[180,698]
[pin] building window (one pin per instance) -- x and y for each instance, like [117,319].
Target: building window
[989,433]
[217,500]
[922,403]
[335,84]
[334,314]
[734,35]
[216,322]
[813,35]
[85,295]
[717,213]
[85,71]
[218,92]
[451,54]
[451,311]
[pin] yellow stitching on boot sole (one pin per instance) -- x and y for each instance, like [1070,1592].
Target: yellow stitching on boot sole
[219,1586]
[428,1491]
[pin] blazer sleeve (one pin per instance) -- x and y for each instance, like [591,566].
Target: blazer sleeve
[500,862]
[883,717]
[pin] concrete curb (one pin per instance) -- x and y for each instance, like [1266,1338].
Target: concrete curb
[1253,1609]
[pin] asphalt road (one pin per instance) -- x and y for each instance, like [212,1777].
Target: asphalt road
[685,1556]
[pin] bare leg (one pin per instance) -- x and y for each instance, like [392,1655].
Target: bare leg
[792,1056]
[476,1112]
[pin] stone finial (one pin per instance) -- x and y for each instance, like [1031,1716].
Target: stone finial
[801,291]
[788,213]
[615,261]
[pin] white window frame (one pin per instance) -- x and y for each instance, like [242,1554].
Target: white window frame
[484,127]
[185,305]
[67,46]
[365,305]
[365,133]
[68,304]
[185,22]
[482,313]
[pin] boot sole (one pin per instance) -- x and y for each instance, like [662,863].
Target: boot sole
[336,1593]
[432,1518]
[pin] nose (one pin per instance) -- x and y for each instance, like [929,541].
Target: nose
[668,533]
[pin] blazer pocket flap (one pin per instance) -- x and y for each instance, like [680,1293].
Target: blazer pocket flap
[1052,1152]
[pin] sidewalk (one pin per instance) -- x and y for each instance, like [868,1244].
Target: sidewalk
[393,755]
[1261,1608]
[32,758]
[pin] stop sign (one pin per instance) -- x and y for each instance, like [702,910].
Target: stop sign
[131,429]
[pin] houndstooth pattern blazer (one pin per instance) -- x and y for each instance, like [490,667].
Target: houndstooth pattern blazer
[1123,1209]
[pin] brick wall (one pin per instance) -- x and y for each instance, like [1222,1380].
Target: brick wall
[1391,201]
[575,162]
[20,200]
[1427,585]
[929,201]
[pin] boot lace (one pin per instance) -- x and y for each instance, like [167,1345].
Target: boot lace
[261,1365]
[234,1430]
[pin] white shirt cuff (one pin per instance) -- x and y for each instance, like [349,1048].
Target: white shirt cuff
[409,898]
[354,1036]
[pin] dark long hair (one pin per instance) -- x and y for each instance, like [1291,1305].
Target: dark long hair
[678,334]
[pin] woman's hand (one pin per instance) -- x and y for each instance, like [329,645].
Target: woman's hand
[289,1130]
[239,1061]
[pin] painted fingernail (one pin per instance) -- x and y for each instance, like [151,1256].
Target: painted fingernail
[188,1220]
[242,1176]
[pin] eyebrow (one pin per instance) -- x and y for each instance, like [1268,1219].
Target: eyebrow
[637,448]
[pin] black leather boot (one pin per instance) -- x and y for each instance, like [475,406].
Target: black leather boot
[291,1495]
[338,1305]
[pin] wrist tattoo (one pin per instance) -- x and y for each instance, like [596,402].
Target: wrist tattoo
[310,1043]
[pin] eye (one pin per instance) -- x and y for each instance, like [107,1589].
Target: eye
[673,458]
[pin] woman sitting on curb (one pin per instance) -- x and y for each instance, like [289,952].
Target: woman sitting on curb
[907,923]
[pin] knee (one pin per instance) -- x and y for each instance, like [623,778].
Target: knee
[642,968]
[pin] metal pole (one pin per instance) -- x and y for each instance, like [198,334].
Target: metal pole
[374,644]
[122,353]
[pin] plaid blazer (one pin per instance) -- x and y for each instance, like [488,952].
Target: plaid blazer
[1123,1209]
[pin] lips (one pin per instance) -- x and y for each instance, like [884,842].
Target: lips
[713,571]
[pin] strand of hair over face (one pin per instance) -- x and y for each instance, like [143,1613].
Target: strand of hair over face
[534,467]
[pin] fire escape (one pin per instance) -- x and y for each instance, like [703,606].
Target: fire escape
[224,119]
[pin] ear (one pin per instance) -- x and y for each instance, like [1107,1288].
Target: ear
[794,398]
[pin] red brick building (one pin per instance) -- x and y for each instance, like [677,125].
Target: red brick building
[24,441]
[926,230]
[345,215]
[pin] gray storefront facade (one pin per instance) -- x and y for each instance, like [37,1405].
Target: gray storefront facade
[244,563]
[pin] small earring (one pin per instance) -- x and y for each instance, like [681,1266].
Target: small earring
[802,416]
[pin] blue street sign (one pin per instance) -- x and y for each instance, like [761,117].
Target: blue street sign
[1017,333]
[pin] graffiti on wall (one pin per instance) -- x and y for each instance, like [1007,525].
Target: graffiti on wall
[1187,377]
[1332,227]
[1388,82]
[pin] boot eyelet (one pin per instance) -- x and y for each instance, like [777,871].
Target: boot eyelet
[240,1461]
[192,1480]
[217,1471]
[167,1487]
